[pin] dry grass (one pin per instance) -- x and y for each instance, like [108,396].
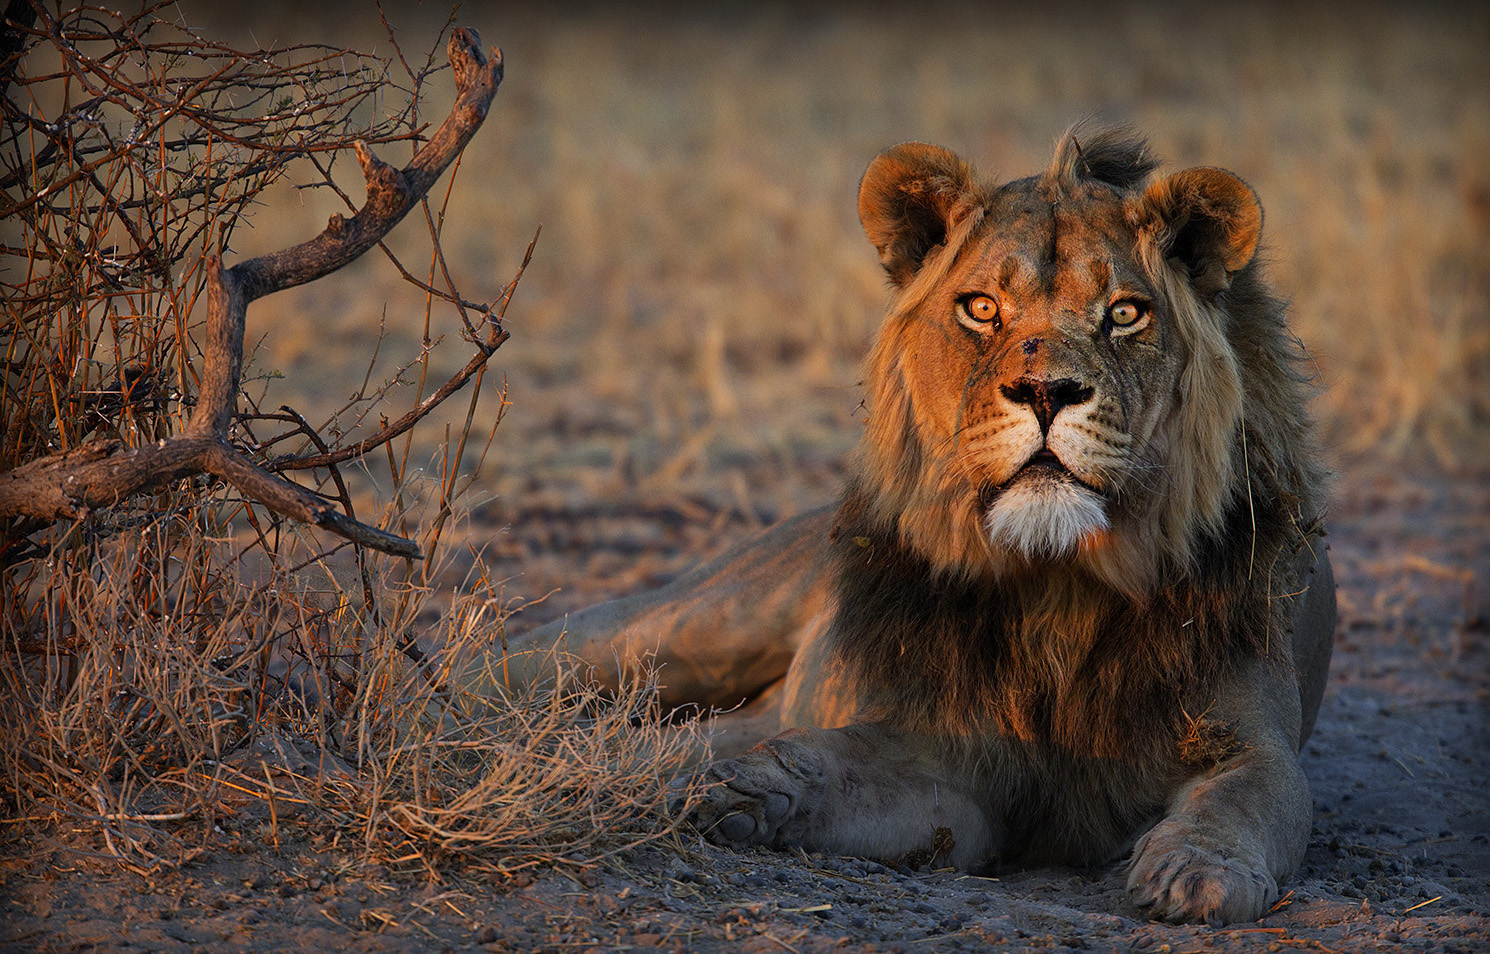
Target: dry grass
[157,692]
[559,773]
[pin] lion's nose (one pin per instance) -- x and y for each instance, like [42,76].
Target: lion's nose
[1047,397]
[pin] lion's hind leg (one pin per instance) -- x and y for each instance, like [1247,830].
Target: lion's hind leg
[718,637]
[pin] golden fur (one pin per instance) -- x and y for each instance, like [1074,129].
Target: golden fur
[1204,470]
[1074,596]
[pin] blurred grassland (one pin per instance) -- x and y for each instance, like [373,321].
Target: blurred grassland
[694,318]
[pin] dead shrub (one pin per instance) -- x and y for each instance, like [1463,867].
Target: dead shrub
[182,625]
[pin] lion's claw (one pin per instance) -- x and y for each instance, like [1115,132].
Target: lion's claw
[1178,880]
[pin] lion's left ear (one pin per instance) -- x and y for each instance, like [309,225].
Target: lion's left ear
[911,197]
[1208,220]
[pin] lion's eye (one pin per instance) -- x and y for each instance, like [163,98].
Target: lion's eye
[980,309]
[1127,315]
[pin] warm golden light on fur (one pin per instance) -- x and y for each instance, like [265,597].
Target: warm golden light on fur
[1155,475]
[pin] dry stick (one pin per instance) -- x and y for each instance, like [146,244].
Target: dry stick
[345,498]
[101,473]
[495,336]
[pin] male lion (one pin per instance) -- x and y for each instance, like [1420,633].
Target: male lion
[1074,600]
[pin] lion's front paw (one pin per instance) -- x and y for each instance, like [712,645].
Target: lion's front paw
[1183,876]
[758,798]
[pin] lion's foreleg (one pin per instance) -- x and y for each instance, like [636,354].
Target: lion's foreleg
[866,790]
[1232,833]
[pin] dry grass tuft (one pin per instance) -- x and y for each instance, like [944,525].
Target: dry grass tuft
[544,774]
[169,680]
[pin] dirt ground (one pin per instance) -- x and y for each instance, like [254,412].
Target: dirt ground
[1399,859]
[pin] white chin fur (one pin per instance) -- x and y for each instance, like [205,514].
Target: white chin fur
[1044,518]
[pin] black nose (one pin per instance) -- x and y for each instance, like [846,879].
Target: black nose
[1046,397]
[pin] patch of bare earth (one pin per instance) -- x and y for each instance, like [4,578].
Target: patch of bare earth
[1400,856]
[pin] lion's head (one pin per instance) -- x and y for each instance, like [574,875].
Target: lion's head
[1073,363]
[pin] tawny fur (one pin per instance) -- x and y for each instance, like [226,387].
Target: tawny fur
[1079,541]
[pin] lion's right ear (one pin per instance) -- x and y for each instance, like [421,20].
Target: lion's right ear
[911,197]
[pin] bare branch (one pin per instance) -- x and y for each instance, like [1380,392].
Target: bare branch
[222,354]
[68,485]
[391,193]
[485,349]
[296,502]
[101,473]
[20,16]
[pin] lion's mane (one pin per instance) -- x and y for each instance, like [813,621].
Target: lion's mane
[941,630]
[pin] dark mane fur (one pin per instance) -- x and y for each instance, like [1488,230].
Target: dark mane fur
[1117,157]
[1051,657]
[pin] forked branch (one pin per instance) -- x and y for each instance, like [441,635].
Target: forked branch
[102,473]
[391,192]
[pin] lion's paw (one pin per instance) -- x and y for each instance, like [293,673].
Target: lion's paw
[758,798]
[1182,876]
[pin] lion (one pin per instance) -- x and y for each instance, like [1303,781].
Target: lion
[1074,603]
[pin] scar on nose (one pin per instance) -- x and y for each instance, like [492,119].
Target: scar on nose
[1031,346]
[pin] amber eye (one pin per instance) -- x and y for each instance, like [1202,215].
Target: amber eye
[980,309]
[1126,313]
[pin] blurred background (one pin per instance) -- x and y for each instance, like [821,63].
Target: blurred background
[686,345]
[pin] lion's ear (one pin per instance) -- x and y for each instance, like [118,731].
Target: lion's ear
[910,198]
[1208,220]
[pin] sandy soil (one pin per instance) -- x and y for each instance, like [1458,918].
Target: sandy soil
[1400,856]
